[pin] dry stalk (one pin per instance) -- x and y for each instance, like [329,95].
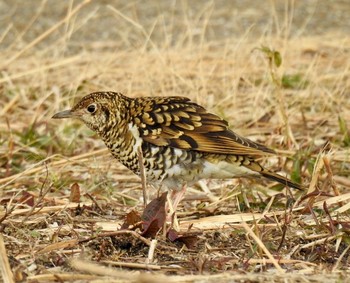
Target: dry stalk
[5,268]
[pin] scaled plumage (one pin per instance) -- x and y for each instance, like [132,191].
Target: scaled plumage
[181,142]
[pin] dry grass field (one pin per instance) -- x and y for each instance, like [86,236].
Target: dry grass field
[63,198]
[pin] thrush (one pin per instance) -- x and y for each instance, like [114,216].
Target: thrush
[181,142]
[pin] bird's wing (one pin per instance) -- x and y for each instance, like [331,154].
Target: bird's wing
[177,122]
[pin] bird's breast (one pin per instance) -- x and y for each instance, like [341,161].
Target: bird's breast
[123,142]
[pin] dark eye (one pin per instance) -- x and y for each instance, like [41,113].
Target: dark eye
[91,108]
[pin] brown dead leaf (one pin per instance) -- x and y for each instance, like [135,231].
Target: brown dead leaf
[153,216]
[189,239]
[131,219]
[74,193]
[27,199]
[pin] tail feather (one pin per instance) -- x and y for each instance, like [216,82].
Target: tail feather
[280,179]
[255,166]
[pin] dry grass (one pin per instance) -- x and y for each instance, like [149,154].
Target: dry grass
[248,230]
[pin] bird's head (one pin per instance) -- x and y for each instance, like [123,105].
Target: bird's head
[97,110]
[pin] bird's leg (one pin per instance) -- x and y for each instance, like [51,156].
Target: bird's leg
[143,176]
[173,201]
[177,196]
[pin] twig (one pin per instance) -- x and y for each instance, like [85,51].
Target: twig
[97,269]
[263,247]
[95,202]
[41,196]
[340,258]
[9,209]
[59,245]
[6,272]
[132,265]
[320,241]
[62,277]
[151,250]
[46,209]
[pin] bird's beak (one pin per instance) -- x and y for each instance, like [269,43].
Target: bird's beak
[63,114]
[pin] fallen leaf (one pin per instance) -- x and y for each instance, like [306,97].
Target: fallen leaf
[74,193]
[131,219]
[172,235]
[153,216]
[152,229]
[189,240]
[27,199]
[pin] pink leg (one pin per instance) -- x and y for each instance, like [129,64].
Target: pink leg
[177,196]
[174,200]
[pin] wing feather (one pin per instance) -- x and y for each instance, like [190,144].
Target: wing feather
[180,123]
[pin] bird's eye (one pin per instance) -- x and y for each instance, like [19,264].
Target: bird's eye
[91,108]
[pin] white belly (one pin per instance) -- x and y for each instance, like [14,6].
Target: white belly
[181,174]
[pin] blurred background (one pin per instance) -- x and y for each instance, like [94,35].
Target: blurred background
[169,22]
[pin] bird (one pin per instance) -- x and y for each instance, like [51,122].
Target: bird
[181,142]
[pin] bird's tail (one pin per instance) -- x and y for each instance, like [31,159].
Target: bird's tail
[255,166]
[280,179]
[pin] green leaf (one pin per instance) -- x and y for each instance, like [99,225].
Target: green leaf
[295,81]
[272,55]
[295,175]
[277,58]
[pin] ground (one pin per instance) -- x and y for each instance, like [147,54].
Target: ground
[277,71]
